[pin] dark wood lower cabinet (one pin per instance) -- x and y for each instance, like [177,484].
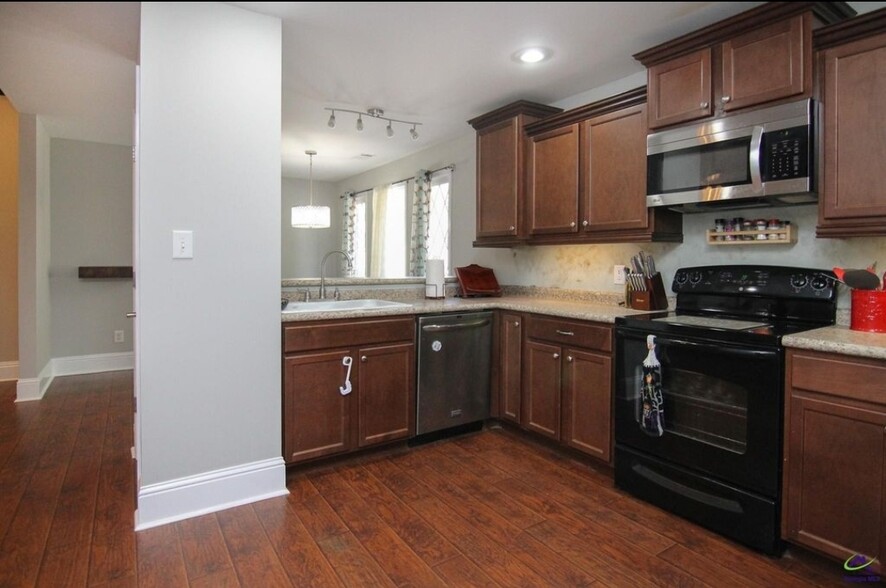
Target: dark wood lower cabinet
[320,421]
[835,455]
[566,389]
[510,362]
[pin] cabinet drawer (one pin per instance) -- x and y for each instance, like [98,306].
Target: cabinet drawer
[837,375]
[573,333]
[347,333]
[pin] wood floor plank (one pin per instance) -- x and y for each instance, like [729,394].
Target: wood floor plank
[65,564]
[303,561]
[352,563]
[392,554]
[203,548]
[160,560]
[221,579]
[420,536]
[460,572]
[251,552]
[480,467]
[703,567]
[315,514]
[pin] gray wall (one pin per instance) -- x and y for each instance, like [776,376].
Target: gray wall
[91,225]
[34,248]
[303,249]
[8,236]
[208,348]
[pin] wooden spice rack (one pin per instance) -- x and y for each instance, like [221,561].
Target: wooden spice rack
[789,234]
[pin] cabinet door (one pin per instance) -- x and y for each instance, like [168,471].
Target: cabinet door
[587,403]
[552,203]
[385,393]
[766,64]
[836,488]
[853,199]
[680,90]
[510,361]
[614,161]
[316,419]
[541,389]
[498,179]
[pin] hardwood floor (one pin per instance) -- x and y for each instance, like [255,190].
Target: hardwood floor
[487,509]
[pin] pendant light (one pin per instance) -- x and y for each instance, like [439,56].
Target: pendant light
[310,217]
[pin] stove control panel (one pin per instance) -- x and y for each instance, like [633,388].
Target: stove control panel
[776,281]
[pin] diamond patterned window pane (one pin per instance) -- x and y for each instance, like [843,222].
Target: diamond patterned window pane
[438,219]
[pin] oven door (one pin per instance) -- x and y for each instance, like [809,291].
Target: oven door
[722,407]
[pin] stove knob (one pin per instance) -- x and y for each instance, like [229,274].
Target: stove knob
[695,277]
[680,278]
[819,282]
[798,281]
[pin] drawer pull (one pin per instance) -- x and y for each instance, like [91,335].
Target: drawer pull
[565,333]
[556,356]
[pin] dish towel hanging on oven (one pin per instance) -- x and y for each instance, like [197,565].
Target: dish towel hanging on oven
[652,420]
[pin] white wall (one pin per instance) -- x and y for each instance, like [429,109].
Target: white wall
[91,226]
[208,352]
[303,249]
[34,250]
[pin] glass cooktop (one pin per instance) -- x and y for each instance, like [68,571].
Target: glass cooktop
[712,323]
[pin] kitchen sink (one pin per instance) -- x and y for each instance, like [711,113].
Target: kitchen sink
[342,305]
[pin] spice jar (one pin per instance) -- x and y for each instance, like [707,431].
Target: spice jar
[761,224]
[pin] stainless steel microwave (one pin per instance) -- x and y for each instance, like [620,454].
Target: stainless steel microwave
[758,158]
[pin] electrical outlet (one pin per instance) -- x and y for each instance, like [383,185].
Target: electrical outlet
[119,337]
[618,275]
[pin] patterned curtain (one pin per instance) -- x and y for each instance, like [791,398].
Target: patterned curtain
[418,250]
[347,233]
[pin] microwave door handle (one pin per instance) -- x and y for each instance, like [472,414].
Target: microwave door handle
[754,159]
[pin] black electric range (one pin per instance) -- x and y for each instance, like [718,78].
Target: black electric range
[713,455]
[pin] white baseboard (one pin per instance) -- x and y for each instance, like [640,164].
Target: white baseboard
[8,370]
[28,389]
[167,502]
[92,364]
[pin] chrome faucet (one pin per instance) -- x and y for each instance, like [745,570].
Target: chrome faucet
[323,271]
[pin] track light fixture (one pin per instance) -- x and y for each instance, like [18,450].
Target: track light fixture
[375,113]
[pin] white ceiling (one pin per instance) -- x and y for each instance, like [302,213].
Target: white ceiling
[438,63]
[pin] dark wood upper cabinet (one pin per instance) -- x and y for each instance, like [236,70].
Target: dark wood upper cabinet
[757,57]
[852,75]
[680,90]
[552,203]
[501,155]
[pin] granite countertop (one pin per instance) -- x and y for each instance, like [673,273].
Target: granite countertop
[577,309]
[840,339]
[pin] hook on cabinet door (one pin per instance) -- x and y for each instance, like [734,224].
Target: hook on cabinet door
[347,360]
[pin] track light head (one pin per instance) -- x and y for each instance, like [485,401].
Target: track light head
[390,130]
[331,122]
[359,123]
[413,133]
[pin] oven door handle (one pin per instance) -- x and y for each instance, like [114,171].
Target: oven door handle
[735,351]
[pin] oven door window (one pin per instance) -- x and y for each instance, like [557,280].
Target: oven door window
[722,407]
[724,163]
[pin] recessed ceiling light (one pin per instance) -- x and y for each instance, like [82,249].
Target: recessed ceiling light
[532,55]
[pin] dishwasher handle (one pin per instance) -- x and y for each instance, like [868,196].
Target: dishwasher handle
[455,326]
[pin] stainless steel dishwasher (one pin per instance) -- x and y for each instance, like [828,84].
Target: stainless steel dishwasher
[454,363]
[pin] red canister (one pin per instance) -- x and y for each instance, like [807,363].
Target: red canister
[868,311]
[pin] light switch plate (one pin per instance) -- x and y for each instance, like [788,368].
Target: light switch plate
[618,275]
[182,244]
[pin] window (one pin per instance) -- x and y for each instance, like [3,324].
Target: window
[438,218]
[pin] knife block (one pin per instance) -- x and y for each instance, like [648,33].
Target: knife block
[653,298]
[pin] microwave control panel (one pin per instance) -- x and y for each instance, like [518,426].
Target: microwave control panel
[785,154]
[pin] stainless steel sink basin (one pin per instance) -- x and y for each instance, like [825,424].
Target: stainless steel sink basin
[342,305]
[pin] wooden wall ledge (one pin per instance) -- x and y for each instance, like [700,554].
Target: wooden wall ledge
[104,272]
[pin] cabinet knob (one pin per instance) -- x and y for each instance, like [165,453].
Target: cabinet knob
[364,359]
[569,358]
[516,323]
[572,224]
[556,356]
[703,105]
[725,99]
[512,228]
[584,223]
